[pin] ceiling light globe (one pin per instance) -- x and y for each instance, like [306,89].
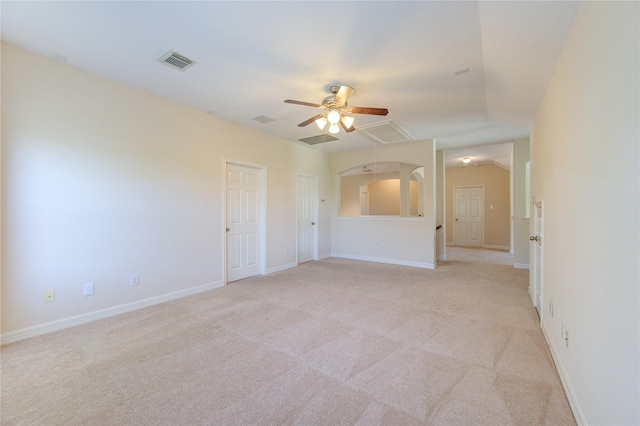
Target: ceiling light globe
[334,128]
[321,122]
[348,121]
[333,117]
[466,160]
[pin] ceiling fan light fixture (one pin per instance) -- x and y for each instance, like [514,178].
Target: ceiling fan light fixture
[348,121]
[466,160]
[334,128]
[333,117]
[321,122]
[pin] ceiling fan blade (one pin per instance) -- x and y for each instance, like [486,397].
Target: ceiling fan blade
[345,128]
[291,101]
[367,110]
[343,94]
[309,121]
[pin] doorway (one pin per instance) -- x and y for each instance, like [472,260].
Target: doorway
[468,214]
[307,196]
[244,250]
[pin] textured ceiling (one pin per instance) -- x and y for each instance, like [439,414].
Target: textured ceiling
[409,57]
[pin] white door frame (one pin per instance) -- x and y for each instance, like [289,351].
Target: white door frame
[314,214]
[262,216]
[481,212]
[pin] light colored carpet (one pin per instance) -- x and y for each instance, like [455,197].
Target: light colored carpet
[476,254]
[328,343]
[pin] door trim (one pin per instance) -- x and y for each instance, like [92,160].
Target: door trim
[454,214]
[262,214]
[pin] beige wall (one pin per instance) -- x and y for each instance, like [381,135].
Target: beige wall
[521,222]
[384,194]
[399,240]
[496,192]
[350,191]
[101,181]
[585,167]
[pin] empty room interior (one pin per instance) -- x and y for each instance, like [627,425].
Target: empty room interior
[320,213]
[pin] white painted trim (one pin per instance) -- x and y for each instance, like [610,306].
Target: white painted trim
[521,265]
[61,324]
[282,267]
[324,256]
[491,246]
[383,260]
[532,297]
[383,217]
[564,378]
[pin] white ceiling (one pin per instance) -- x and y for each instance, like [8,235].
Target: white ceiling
[252,55]
[498,154]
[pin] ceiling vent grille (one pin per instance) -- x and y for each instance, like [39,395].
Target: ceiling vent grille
[318,139]
[263,119]
[386,132]
[176,61]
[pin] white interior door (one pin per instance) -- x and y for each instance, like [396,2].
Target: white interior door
[538,265]
[468,216]
[364,200]
[307,195]
[243,221]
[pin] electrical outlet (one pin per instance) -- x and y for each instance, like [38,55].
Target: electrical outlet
[381,246]
[566,338]
[49,296]
[551,308]
[89,289]
[286,251]
[133,280]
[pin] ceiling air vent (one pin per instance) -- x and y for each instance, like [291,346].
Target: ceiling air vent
[314,140]
[176,61]
[263,119]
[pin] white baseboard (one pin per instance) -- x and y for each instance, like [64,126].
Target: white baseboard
[564,378]
[521,265]
[533,302]
[489,246]
[50,327]
[324,256]
[388,261]
[282,267]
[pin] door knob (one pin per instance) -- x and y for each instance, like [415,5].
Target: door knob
[228,229]
[313,223]
[533,238]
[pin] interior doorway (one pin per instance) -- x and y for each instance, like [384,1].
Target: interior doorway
[244,218]
[468,216]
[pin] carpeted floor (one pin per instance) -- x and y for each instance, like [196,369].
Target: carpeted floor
[328,343]
[475,254]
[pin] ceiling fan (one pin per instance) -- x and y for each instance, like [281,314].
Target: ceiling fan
[336,110]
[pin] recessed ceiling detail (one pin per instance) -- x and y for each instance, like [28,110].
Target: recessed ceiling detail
[176,61]
[314,140]
[386,132]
